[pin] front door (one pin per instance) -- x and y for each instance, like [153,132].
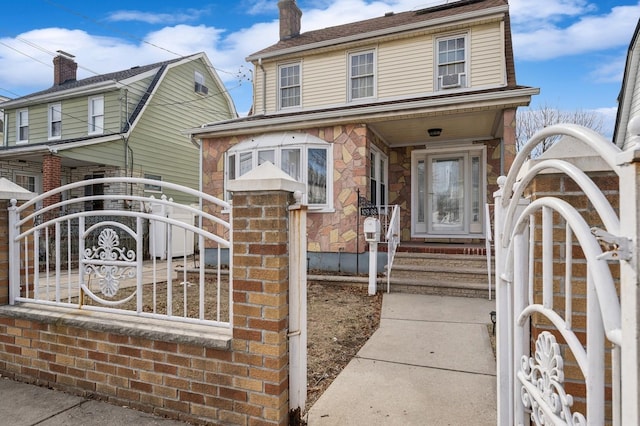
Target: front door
[448,193]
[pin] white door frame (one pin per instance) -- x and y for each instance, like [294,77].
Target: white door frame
[420,199]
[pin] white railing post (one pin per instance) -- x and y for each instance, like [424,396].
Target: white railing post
[14,254]
[297,304]
[630,286]
[504,371]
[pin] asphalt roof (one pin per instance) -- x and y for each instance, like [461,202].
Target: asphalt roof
[387,21]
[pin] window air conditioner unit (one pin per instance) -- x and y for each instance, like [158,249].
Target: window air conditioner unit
[450,80]
[201,88]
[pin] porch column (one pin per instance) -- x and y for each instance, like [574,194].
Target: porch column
[51,177]
[261,268]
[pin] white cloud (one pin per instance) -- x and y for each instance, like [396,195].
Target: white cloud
[189,15]
[583,35]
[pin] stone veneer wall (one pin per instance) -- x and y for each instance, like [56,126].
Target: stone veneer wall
[336,232]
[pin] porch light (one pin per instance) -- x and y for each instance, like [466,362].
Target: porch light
[492,314]
[434,132]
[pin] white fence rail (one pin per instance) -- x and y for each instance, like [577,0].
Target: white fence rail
[95,260]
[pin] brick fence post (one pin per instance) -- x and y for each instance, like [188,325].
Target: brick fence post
[260,292]
[8,191]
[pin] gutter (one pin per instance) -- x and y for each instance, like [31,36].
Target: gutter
[339,116]
[59,95]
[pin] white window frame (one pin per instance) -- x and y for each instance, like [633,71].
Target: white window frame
[378,173]
[353,77]
[282,87]
[249,153]
[52,118]
[20,124]
[475,229]
[199,83]
[96,128]
[37,180]
[463,74]
[156,189]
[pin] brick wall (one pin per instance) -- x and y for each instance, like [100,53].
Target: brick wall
[561,186]
[200,374]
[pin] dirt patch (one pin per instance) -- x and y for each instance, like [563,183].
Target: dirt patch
[340,320]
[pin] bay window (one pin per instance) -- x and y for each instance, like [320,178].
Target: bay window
[304,157]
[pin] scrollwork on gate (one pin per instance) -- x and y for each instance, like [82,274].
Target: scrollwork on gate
[109,253]
[543,390]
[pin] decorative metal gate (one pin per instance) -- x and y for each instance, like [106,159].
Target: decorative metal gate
[560,346]
[66,252]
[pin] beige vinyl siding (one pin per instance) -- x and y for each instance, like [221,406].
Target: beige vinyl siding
[487,59]
[405,67]
[324,80]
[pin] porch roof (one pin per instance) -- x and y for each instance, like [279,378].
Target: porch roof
[404,122]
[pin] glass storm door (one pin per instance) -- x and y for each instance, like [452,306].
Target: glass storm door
[447,194]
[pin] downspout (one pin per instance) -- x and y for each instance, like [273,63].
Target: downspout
[502,157]
[128,151]
[198,144]
[264,87]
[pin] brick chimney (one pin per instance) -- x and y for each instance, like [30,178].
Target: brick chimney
[64,68]
[290,15]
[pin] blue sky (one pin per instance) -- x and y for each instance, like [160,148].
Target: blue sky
[573,50]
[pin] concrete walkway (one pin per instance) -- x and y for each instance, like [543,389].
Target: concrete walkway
[429,363]
[29,405]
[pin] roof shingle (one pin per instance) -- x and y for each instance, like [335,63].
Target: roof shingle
[388,21]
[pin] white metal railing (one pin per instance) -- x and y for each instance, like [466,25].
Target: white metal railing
[488,239]
[95,260]
[530,384]
[393,240]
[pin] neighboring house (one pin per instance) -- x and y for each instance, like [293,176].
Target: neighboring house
[415,108]
[125,123]
[629,98]
[2,130]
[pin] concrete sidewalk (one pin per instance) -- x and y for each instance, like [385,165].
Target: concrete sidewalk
[29,405]
[429,363]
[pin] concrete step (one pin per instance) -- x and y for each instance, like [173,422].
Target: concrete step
[442,273]
[439,259]
[439,273]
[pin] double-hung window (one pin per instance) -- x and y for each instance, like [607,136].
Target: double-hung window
[22,131]
[199,86]
[452,62]
[55,121]
[305,158]
[289,85]
[361,75]
[96,115]
[378,177]
[149,187]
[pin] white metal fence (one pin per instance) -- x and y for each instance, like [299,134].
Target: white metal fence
[99,260]
[539,244]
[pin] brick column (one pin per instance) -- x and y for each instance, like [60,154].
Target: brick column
[51,175]
[8,191]
[261,283]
